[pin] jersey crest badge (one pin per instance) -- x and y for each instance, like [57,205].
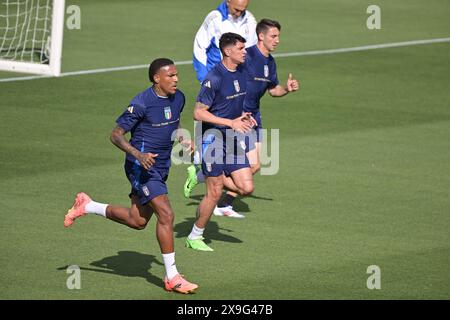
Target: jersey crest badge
[266,70]
[167,113]
[207,84]
[236,85]
[130,109]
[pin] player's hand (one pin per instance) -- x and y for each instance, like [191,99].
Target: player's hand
[248,117]
[147,160]
[292,84]
[188,145]
[243,123]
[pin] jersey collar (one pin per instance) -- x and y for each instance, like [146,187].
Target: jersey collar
[226,69]
[261,54]
[155,94]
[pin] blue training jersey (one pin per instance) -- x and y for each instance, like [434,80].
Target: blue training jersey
[261,75]
[223,91]
[152,119]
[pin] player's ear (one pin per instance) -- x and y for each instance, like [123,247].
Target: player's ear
[261,36]
[156,78]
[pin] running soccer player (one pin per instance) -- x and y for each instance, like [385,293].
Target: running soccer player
[220,108]
[261,77]
[152,117]
[229,16]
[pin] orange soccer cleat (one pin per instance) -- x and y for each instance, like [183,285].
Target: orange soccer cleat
[78,209]
[179,284]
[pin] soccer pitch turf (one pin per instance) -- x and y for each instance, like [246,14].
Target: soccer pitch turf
[364,175]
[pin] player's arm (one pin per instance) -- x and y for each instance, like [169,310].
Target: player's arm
[241,124]
[279,90]
[252,37]
[118,139]
[202,41]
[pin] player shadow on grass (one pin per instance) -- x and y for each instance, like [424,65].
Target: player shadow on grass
[212,232]
[126,264]
[238,204]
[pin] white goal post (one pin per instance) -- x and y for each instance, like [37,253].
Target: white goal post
[31,36]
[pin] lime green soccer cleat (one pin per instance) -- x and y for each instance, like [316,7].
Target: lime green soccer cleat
[198,244]
[191,180]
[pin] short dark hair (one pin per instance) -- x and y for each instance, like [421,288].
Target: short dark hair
[266,24]
[156,65]
[229,39]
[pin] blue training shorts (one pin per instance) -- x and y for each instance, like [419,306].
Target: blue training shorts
[146,185]
[221,155]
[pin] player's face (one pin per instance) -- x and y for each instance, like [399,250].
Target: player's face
[167,79]
[237,53]
[237,7]
[271,38]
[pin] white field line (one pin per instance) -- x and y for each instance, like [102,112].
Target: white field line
[278,55]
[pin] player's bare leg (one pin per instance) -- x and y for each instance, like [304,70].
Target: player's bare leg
[135,217]
[173,281]
[243,180]
[164,225]
[240,182]
[214,187]
[254,157]
[225,206]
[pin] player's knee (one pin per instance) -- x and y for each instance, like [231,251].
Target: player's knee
[139,224]
[214,194]
[166,216]
[247,189]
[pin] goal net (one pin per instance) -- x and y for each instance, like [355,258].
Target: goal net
[31,33]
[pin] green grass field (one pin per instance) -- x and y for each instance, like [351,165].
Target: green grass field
[364,173]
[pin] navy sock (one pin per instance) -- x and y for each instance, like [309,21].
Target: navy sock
[226,201]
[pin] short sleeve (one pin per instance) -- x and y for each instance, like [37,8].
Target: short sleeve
[207,92]
[273,76]
[131,116]
[183,101]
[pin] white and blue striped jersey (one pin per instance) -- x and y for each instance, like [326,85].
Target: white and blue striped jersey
[217,22]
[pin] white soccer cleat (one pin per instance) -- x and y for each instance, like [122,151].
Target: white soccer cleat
[227,212]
